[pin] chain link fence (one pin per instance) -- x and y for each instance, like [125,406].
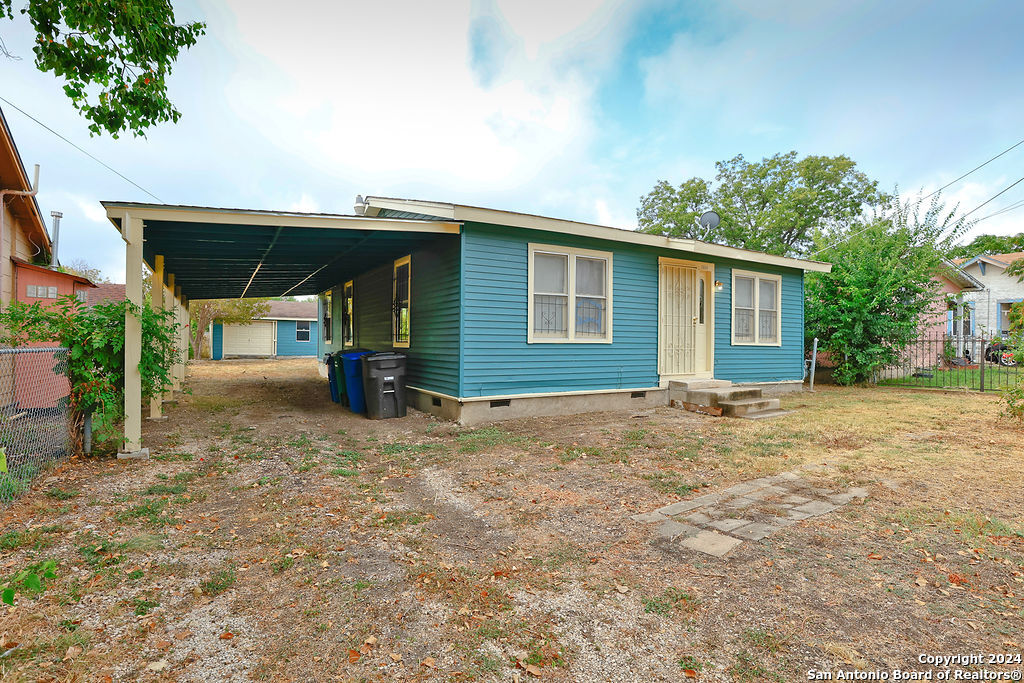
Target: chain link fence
[34,421]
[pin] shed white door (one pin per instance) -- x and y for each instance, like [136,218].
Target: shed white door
[257,339]
[684,323]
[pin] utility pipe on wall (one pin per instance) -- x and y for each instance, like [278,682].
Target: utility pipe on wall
[57,215]
[3,215]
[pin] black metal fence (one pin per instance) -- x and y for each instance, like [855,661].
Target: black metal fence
[34,422]
[943,361]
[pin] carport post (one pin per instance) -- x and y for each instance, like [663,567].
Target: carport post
[172,305]
[179,367]
[156,294]
[132,233]
[186,323]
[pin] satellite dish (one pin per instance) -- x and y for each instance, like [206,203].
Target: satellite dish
[709,220]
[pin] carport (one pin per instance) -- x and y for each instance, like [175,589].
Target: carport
[213,253]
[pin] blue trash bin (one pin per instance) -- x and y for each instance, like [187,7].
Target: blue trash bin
[352,362]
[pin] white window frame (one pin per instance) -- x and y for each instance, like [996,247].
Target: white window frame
[348,287]
[308,331]
[327,321]
[757,277]
[405,260]
[570,253]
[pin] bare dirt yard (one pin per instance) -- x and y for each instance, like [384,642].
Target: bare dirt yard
[274,536]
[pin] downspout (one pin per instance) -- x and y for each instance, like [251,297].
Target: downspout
[3,216]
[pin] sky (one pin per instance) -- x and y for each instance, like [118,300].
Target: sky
[571,109]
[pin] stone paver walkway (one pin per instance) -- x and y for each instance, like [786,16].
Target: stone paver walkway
[750,511]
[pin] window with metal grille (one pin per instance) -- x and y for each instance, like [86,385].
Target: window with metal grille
[756,308]
[347,313]
[302,331]
[400,325]
[569,295]
[326,315]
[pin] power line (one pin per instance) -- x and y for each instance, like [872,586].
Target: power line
[104,165]
[1003,191]
[975,169]
[1011,207]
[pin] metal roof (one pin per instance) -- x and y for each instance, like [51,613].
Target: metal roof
[218,253]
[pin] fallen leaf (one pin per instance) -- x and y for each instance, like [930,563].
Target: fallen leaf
[371,641]
[429,662]
[158,665]
[227,635]
[921,581]
[395,657]
[182,635]
[353,656]
[689,673]
[533,670]
[72,652]
[162,645]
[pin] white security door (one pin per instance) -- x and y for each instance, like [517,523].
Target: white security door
[256,339]
[684,309]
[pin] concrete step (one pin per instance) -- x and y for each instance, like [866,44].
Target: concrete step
[765,414]
[745,406]
[714,397]
[699,384]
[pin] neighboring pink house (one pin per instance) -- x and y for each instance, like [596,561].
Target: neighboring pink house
[951,314]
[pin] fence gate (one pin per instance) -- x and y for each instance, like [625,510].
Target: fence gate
[34,421]
[945,361]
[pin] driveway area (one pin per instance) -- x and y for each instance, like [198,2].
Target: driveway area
[274,536]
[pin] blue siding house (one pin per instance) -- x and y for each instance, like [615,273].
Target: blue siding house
[517,314]
[290,328]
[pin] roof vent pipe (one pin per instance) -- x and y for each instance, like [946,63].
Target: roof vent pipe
[57,215]
[360,206]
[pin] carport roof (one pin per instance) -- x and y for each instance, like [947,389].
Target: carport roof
[222,253]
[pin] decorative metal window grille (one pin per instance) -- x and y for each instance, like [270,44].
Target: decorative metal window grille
[326,314]
[347,313]
[400,306]
[755,309]
[564,284]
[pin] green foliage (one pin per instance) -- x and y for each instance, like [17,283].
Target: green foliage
[28,581]
[867,310]
[989,244]
[94,337]
[221,580]
[113,55]
[1013,396]
[776,205]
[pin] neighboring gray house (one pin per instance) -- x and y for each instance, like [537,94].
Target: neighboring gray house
[991,305]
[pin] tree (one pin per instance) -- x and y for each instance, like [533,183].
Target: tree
[866,311]
[114,56]
[776,205]
[226,311]
[81,268]
[989,244]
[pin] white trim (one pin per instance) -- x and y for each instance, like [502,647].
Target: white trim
[757,277]
[570,253]
[275,317]
[202,214]
[309,331]
[543,394]
[394,293]
[459,212]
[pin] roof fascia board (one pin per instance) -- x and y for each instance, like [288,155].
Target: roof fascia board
[521,220]
[191,215]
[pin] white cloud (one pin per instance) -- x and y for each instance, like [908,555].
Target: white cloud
[305,204]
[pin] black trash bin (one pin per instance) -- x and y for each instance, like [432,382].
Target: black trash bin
[384,385]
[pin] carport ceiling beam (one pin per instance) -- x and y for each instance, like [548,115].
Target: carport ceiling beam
[263,257]
[336,258]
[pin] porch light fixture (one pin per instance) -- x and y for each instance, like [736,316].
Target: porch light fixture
[718,285]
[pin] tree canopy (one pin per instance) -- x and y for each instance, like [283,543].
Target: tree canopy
[867,310]
[113,55]
[776,205]
[989,244]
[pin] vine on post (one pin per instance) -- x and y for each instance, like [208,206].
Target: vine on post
[94,337]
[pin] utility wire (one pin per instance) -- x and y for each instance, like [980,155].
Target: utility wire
[106,166]
[1011,207]
[953,182]
[1003,191]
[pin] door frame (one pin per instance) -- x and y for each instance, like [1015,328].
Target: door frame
[709,303]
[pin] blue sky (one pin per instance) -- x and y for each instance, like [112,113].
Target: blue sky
[571,109]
